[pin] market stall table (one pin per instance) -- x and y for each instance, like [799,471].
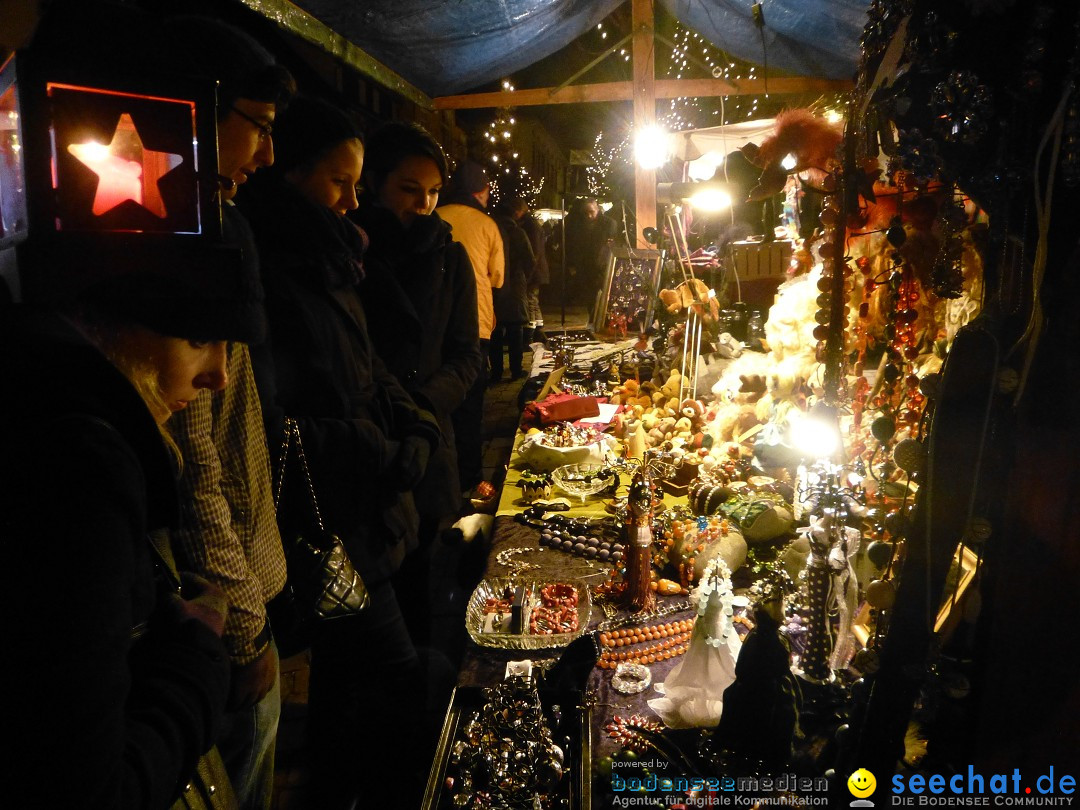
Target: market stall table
[516,551]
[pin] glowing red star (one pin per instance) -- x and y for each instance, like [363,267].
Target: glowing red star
[126,170]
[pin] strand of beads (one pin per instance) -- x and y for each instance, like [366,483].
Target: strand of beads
[571,539]
[670,639]
[507,556]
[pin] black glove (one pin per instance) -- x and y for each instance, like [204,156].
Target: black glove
[410,463]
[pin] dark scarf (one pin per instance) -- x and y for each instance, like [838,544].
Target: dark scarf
[392,240]
[411,255]
[293,232]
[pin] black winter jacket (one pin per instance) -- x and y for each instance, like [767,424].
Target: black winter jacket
[419,293]
[95,719]
[319,366]
[511,300]
[541,273]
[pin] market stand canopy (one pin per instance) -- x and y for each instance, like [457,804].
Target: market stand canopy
[448,46]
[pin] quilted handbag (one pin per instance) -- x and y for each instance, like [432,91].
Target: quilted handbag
[209,788]
[321,583]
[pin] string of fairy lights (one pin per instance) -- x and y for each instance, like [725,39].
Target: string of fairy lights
[686,112]
[691,54]
[500,155]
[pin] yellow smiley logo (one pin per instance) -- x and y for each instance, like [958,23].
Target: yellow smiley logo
[861,783]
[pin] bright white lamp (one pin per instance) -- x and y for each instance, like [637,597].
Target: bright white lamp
[705,166]
[816,434]
[652,147]
[710,196]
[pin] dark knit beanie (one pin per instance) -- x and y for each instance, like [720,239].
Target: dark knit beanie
[191,288]
[205,46]
[469,178]
[307,130]
[212,297]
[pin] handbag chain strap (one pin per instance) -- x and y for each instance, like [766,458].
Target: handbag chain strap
[292,433]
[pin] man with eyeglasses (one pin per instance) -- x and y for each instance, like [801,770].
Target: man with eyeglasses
[228,530]
[244,142]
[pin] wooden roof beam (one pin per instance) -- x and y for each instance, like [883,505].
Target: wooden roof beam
[624,91]
[644,55]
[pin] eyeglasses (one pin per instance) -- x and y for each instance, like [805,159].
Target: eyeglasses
[265,130]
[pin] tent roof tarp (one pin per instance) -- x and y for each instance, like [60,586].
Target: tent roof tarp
[450,46]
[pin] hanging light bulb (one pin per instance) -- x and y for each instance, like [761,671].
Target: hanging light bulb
[652,147]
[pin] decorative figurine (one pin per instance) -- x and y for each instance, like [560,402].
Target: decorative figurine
[761,708]
[832,590]
[637,595]
[694,690]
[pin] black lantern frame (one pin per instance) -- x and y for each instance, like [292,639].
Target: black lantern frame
[118,169]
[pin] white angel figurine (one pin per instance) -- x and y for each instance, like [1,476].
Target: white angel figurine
[694,691]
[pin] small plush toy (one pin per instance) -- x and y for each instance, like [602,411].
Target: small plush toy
[625,393]
[692,293]
[670,389]
[694,411]
[784,389]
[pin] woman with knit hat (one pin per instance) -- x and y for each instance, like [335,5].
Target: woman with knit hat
[419,295]
[121,677]
[367,444]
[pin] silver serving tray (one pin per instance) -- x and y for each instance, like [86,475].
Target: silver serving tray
[494,587]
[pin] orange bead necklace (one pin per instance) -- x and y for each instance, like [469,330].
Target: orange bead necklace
[668,639]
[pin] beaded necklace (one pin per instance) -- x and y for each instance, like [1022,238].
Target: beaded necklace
[669,639]
[591,539]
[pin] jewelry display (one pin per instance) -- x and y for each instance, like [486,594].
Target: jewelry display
[557,612]
[590,539]
[631,679]
[626,731]
[505,755]
[515,613]
[684,540]
[583,545]
[565,434]
[645,616]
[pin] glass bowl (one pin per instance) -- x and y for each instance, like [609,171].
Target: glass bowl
[496,587]
[582,480]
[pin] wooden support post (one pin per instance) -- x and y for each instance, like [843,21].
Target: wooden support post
[644,51]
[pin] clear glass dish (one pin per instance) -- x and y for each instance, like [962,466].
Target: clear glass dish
[582,480]
[495,587]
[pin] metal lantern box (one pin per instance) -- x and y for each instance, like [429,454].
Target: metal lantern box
[117,168]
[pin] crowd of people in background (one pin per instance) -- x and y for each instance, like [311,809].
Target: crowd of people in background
[153,407]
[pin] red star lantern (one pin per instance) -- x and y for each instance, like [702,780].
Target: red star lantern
[126,170]
[107,157]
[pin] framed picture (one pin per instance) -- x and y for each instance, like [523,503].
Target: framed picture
[552,385]
[965,564]
[625,301]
